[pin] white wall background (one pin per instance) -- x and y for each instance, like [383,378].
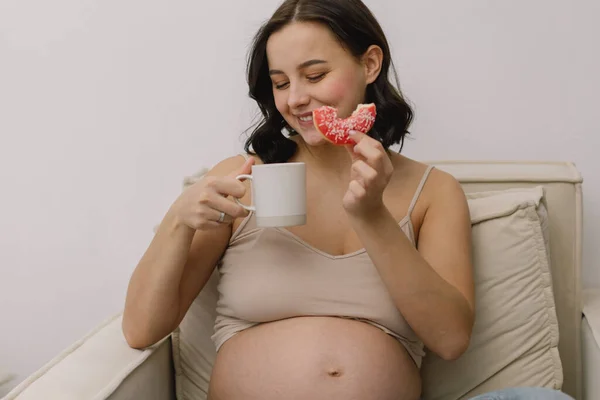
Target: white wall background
[106,105]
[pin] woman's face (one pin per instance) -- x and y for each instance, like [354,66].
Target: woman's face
[309,69]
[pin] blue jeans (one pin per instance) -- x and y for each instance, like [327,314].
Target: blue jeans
[524,393]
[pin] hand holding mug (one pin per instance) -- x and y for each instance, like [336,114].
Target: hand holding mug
[205,206]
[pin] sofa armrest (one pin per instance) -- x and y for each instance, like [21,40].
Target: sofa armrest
[102,366]
[590,344]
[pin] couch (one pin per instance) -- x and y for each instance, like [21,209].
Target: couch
[102,366]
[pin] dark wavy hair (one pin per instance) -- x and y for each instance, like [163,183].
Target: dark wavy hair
[356,29]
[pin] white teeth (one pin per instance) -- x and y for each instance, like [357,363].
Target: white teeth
[306,119]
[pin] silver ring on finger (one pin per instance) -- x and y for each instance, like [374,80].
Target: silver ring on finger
[221,218]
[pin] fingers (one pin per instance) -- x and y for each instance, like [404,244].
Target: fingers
[207,205]
[208,208]
[209,218]
[223,204]
[367,147]
[357,136]
[228,186]
[208,215]
[213,200]
[364,173]
[357,190]
[213,217]
[371,151]
[245,169]
[353,155]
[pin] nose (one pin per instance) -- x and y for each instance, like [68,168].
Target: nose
[298,97]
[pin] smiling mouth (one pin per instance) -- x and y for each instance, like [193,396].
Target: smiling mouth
[307,118]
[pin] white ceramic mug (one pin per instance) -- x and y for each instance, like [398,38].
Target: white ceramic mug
[278,194]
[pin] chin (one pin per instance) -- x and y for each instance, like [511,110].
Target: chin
[313,138]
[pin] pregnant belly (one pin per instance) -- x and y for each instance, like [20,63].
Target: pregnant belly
[314,358]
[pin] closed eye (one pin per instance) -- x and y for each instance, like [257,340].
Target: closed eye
[312,79]
[315,78]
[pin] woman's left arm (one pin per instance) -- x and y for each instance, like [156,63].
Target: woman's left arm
[432,286]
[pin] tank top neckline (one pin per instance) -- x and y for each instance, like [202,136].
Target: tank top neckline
[405,220]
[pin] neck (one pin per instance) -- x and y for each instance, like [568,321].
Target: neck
[327,160]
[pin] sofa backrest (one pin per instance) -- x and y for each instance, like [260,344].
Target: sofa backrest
[562,185]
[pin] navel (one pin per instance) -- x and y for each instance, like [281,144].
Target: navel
[334,373]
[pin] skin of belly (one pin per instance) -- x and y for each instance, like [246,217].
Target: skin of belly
[314,358]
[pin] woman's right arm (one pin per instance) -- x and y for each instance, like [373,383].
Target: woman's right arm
[182,255]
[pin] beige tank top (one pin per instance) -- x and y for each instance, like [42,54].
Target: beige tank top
[269,274]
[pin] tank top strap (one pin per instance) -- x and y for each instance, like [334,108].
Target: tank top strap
[419,189]
[245,155]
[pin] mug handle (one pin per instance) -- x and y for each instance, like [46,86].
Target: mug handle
[241,178]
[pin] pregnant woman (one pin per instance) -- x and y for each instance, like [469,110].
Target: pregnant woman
[341,307]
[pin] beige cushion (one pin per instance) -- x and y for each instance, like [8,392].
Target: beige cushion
[100,366]
[515,337]
[516,333]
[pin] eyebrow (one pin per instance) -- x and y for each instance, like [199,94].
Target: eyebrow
[305,64]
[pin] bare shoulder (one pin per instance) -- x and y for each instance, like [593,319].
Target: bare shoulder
[443,186]
[438,186]
[446,203]
[440,198]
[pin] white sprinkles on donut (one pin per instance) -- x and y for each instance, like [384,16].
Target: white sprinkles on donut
[336,130]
